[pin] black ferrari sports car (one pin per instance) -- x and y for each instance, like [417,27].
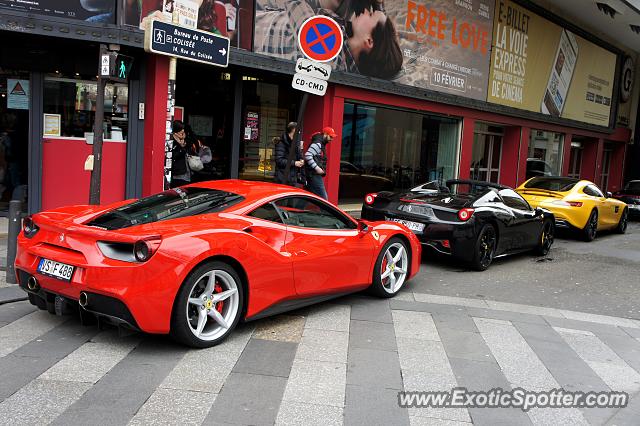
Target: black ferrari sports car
[630,194]
[471,220]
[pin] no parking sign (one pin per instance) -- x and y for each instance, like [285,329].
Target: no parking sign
[320,38]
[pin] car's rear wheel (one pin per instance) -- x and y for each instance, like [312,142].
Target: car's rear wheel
[591,228]
[391,269]
[208,305]
[622,224]
[485,249]
[546,239]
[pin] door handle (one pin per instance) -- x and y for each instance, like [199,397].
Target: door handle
[301,253]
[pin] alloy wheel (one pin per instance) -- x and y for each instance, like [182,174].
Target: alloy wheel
[547,238]
[394,268]
[593,225]
[213,305]
[487,247]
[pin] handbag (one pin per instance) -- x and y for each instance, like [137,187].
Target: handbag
[301,178]
[195,163]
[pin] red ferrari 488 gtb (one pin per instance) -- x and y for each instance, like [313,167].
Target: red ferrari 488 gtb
[195,260]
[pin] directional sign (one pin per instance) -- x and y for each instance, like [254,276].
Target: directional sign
[308,84]
[193,45]
[320,38]
[313,69]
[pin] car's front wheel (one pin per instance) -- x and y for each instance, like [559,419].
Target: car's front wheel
[208,305]
[391,269]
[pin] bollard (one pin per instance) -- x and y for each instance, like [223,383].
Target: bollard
[15,225]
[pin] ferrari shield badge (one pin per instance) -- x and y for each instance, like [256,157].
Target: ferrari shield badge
[375,235]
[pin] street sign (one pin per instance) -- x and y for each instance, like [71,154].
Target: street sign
[193,45]
[313,69]
[105,69]
[320,38]
[315,86]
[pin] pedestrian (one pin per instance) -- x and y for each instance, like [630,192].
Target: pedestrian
[316,161]
[180,172]
[283,150]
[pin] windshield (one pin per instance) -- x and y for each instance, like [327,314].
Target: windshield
[172,204]
[552,184]
[468,188]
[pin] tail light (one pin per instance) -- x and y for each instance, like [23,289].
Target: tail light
[29,227]
[465,214]
[567,203]
[144,249]
[370,198]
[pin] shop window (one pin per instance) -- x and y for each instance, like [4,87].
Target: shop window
[575,160]
[387,149]
[486,153]
[545,154]
[70,107]
[606,166]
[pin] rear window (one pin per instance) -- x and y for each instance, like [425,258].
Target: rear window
[474,189]
[633,186]
[172,204]
[550,184]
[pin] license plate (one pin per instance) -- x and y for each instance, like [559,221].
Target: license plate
[55,269]
[414,226]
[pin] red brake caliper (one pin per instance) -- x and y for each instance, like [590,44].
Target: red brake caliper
[219,305]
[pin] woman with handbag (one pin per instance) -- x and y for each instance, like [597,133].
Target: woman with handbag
[184,163]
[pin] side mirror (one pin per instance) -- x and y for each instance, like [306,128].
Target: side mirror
[363,228]
[609,194]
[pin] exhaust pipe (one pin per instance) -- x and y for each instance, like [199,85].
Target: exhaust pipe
[32,284]
[84,299]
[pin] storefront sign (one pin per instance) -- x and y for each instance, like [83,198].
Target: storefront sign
[441,45]
[52,125]
[313,69]
[97,11]
[538,66]
[193,45]
[308,84]
[17,94]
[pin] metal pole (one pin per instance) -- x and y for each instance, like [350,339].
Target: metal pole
[296,138]
[171,101]
[15,223]
[96,172]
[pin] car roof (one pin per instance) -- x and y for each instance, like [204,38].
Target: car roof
[476,182]
[250,190]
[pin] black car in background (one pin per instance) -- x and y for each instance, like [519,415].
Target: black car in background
[630,194]
[471,220]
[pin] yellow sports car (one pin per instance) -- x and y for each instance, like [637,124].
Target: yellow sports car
[577,204]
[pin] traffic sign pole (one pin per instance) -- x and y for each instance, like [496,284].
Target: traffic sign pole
[96,171]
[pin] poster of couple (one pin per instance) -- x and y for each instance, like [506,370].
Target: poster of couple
[441,45]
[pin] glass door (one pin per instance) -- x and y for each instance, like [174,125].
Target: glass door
[575,161]
[606,166]
[487,152]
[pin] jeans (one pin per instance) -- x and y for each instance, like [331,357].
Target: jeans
[315,184]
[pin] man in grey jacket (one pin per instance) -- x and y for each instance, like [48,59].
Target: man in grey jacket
[316,161]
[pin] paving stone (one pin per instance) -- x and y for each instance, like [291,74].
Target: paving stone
[266,357]
[458,321]
[414,325]
[436,380]
[11,293]
[187,408]
[370,309]
[373,406]
[13,311]
[427,421]
[421,355]
[118,396]
[372,368]
[401,305]
[463,344]
[627,416]
[41,401]
[316,383]
[505,315]
[92,360]
[323,345]
[449,300]
[404,295]
[525,309]
[27,328]
[372,335]
[633,332]
[625,347]
[206,370]
[583,325]
[3,323]
[248,399]
[600,319]
[329,317]
[56,342]
[282,328]
[298,413]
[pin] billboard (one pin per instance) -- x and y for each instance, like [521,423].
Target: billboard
[228,18]
[539,66]
[440,45]
[97,11]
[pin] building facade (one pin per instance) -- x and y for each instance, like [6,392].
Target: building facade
[491,90]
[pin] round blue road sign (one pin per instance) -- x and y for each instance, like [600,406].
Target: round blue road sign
[320,38]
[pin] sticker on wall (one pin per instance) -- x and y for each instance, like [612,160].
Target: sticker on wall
[18,94]
[52,125]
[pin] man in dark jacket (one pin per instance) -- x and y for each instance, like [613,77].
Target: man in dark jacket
[180,173]
[316,161]
[283,149]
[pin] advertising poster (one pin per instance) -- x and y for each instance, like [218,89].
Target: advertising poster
[98,11]
[441,45]
[229,18]
[538,66]
[17,94]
